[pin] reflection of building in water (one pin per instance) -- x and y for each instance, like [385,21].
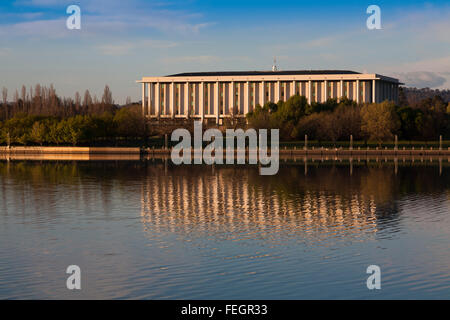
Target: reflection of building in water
[239,203]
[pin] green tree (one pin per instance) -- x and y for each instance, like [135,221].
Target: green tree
[288,115]
[129,123]
[38,132]
[379,121]
[411,122]
[56,132]
[259,118]
[75,129]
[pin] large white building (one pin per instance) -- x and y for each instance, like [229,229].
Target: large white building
[218,95]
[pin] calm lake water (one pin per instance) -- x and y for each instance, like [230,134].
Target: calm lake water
[151,230]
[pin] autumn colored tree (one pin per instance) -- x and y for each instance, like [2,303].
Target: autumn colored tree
[38,132]
[379,121]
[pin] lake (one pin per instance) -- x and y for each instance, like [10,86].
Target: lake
[151,230]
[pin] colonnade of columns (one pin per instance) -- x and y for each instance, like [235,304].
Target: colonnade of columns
[217,99]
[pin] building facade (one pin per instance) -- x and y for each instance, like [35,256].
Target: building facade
[218,95]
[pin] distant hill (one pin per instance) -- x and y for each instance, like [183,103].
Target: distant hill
[415,96]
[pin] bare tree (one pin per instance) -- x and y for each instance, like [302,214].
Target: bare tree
[23,97]
[53,100]
[37,99]
[107,99]
[5,95]
[87,101]
[16,99]
[77,102]
[5,101]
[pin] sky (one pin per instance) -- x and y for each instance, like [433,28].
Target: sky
[121,41]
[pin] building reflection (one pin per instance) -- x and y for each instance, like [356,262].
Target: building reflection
[232,202]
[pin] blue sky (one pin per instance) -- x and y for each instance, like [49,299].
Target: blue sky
[121,41]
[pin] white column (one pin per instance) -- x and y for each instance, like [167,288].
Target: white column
[143,98]
[293,89]
[316,94]
[277,92]
[172,100]
[364,94]
[178,87]
[201,106]
[358,93]
[255,101]
[309,91]
[157,99]
[374,91]
[325,89]
[238,98]
[246,98]
[187,95]
[217,101]
[262,93]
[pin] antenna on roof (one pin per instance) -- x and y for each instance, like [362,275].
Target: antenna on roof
[274,67]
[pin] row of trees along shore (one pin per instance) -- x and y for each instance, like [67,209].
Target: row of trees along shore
[38,116]
[336,120]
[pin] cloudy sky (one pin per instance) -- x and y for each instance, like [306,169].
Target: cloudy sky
[121,41]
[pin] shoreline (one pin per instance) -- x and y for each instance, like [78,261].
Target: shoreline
[164,151]
[69,150]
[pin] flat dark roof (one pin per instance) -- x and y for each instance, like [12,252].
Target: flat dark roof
[261,73]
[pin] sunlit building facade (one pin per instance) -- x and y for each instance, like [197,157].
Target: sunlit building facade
[219,95]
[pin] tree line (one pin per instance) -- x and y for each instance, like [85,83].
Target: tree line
[336,120]
[44,101]
[39,116]
[124,126]
[414,96]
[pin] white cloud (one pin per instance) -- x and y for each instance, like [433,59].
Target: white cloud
[101,17]
[432,73]
[422,79]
